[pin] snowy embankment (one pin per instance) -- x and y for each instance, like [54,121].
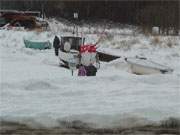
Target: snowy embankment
[36,91]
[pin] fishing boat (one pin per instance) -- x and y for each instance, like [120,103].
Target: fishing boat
[72,48]
[69,49]
[143,66]
[37,44]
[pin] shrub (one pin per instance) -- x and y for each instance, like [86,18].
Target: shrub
[171,123]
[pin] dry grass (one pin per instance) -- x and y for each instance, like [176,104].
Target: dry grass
[171,42]
[125,45]
[79,128]
[164,42]
[171,123]
[156,40]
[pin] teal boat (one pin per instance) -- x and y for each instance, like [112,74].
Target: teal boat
[37,45]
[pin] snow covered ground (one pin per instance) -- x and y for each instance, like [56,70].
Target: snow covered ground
[36,91]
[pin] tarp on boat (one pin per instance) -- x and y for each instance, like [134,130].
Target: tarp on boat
[106,57]
[37,44]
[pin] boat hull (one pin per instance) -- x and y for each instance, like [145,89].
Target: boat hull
[37,45]
[143,66]
[68,57]
[138,69]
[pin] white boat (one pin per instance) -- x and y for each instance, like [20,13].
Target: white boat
[68,56]
[69,52]
[143,66]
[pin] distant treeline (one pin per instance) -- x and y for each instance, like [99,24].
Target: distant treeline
[164,14]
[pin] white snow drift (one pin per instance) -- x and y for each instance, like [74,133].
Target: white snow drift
[34,89]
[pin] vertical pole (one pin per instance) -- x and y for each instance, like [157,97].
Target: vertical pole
[76,29]
[76,22]
[43,10]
